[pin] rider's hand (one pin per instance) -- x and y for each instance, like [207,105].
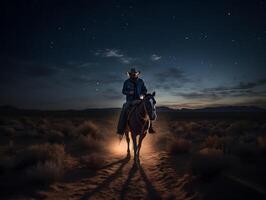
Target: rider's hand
[131,92]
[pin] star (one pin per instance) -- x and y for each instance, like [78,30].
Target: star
[59,28]
[83,29]
[51,45]
[186,38]
[229,13]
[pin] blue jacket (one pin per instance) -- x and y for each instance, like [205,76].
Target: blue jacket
[139,88]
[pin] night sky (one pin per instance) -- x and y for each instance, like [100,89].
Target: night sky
[75,54]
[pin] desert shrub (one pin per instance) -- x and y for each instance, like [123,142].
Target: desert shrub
[45,172]
[247,138]
[179,146]
[88,128]
[88,144]
[6,163]
[261,143]
[246,152]
[38,163]
[54,136]
[64,126]
[192,126]
[43,124]
[212,142]
[40,153]
[208,163]
[28,122]
[240,127]
[92,161]
[31,133]
[223,143]
[7,131]
[177,127]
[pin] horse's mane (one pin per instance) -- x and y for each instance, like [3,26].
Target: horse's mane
[148,95]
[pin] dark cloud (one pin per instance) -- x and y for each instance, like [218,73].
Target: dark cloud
[199,95]
[170,73]
[170,78]
[112,94]
[240,90]
[240,86]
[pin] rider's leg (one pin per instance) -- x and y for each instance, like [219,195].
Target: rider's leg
[122,120]
[151,130]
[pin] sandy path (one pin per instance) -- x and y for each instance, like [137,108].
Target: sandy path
[120,178]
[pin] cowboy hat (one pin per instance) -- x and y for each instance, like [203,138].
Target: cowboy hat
[133,71]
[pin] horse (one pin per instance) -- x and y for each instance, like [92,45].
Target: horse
[138,122]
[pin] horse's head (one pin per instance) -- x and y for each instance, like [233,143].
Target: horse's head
[150,102]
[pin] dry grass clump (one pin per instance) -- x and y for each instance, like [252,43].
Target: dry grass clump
[42,163]
[208,163]
[54,136]
[223,143]
[261,143]
[88,128]
[179,146]
[28,122]
[7,131]
[246,152]
[40,153]
[45,172]
[88,144]
[240,127]
[93,161]
[66,127]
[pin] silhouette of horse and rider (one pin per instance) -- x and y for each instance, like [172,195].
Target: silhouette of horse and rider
[137,112]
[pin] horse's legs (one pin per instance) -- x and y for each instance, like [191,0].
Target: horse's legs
[141,137]
[133,136]
[128,142]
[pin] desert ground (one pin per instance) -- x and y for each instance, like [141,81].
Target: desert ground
[73,155]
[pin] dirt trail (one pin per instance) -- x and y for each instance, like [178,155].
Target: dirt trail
[120,178]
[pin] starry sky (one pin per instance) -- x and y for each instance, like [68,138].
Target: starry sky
[75,54]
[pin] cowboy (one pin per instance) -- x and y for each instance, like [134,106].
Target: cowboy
[133,88]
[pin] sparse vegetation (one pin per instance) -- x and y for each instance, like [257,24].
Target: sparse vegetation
[40,150]
[179,146]
[208,162]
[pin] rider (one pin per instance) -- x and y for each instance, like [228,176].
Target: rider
[133,88]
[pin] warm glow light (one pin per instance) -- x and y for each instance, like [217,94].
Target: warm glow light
[120,148]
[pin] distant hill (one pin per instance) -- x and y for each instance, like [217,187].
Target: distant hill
[220,109]
[225,109]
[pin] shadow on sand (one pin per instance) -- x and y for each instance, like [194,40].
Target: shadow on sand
[152,192]
[109,179]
